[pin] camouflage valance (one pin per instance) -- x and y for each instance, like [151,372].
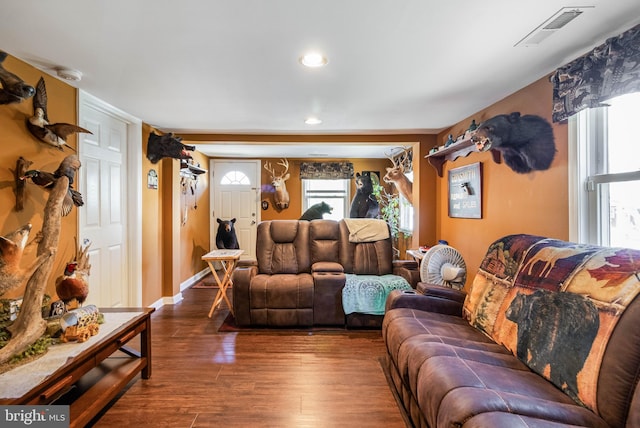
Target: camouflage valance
[326,170]
[609,70]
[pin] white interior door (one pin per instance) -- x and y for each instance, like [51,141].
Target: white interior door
[235,187]
[103,218]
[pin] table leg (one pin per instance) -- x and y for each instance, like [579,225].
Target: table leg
[228,266]
[227,282]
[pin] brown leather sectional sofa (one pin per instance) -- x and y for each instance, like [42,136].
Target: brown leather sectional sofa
[300,273]
[548,336]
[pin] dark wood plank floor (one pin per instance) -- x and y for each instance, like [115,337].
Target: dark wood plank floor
[203,378]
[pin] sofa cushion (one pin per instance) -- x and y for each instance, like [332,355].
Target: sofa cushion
[457,373]
[554,305]
[324,241]
[365,258]
[283,247]
[282,300]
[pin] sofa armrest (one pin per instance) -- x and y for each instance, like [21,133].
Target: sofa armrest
[441,291]
[241,296]
[409,264]
[414,300]
[408,269]
[327,267]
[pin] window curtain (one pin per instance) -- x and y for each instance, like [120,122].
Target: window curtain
[609,70]
[326,170]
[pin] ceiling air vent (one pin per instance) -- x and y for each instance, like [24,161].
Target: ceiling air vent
[551,25]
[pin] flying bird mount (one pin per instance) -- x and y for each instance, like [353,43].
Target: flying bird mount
[53,134]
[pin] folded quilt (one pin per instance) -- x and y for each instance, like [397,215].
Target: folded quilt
[366,229]
[367,294]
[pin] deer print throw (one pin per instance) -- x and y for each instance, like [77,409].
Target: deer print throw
[554,304]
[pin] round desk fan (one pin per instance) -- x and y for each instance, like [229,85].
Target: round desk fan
[443,265]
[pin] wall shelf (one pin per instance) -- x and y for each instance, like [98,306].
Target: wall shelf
[456,150]
[190,171]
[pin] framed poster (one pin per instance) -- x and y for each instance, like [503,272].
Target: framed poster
[465,191]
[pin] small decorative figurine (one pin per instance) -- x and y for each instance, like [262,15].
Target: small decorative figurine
[449,141]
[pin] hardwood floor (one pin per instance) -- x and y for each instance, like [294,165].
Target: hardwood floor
[267,378]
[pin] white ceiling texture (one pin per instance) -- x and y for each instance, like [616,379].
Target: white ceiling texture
[219,66]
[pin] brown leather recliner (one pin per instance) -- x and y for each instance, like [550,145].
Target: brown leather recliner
[279,291]
[300,275]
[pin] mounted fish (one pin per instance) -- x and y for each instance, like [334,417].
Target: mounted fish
[13,90]
[68,168]
[54,134]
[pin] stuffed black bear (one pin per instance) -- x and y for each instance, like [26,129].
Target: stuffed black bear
[316,211]
[364,204]
[226,236]
[526,142]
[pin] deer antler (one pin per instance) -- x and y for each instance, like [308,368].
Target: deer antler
[267,166]
[285,164]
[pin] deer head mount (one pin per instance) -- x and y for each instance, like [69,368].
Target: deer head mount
[396,174]
[278,182]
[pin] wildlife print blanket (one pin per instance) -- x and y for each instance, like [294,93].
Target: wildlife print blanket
[554,304]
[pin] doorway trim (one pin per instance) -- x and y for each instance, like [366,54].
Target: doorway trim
[133,194]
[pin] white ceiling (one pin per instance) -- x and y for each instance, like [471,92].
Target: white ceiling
[214,66]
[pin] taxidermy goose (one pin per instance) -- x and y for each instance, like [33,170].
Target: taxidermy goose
[54,134]
[68,167]
[13,90]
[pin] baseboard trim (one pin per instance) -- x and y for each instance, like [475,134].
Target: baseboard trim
[194,279]
[170,300]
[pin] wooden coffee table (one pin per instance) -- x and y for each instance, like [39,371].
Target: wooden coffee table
[115,375]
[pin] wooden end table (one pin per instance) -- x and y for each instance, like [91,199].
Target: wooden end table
[229,261]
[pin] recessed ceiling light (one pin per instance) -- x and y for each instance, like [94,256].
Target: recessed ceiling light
[313,60]
[312,121]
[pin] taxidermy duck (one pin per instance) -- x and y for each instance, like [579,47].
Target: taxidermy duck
[54,134]
[72,286]
[13,90]
[68,167]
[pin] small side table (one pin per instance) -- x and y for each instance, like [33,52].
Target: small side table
[417,255]
[229,260]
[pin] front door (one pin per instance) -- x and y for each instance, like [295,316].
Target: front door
[102,219]
[235,187]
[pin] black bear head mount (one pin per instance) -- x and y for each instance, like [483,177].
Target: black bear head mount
[526,142]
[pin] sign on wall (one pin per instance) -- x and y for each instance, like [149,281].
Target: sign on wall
[152,179]
[465,191]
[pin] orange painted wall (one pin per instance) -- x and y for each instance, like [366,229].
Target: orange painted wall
[17,141]
[294,184]
[534,203]
[171,250]
[151,227]
[194,232]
